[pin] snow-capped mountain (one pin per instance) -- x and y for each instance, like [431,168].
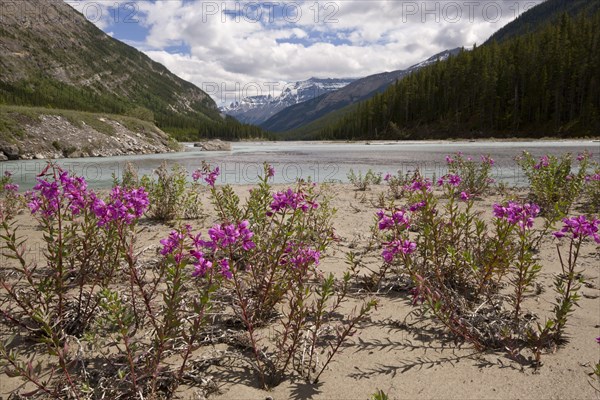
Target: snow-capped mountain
[257,109]
[361,89]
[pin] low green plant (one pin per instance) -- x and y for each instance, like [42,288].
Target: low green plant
[475,176]
[361,182]
[167,192]
[553,183]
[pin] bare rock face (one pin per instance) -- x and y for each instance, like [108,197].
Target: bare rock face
[214,145]
[11,152]
[53,136]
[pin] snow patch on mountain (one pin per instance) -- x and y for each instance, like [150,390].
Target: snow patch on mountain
[257,109]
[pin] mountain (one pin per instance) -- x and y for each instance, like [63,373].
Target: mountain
[541,83]
[302,114]
[257,109]
[543,13]
[53,57]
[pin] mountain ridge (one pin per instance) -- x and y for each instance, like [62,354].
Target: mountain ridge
[257,109]
[302,114]
[74,65]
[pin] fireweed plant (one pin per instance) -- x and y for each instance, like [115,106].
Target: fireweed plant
[171,197]
[554,185]
[90,301]
[591,203]
[10,201]
[362,182]
[475,176]
[54,301]
[273,246]
[460,267]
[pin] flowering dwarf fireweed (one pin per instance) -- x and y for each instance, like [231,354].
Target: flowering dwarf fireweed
[458,263]
[273,244]
[86,239]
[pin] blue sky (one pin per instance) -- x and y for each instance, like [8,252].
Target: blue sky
[231,48]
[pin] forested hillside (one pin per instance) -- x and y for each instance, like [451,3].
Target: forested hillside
[543,83]
[62,61]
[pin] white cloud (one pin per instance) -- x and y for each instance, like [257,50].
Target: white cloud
[235,44]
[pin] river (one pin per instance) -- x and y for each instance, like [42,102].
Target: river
[321,161]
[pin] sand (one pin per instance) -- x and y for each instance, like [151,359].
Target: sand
[405,357]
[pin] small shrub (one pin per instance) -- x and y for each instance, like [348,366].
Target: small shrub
[475,177]
[554,186]
[166,192]
[361,182]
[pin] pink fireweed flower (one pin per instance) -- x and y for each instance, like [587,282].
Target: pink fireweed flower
[451,179]
[398,218]
[299,256]
[229,235]
[124,205]
[11,187]
[50,193]
[292,200]
[417,206]
[397,246]
[387,177]
[270,171]
[212,176]
[487,160]
[465,196]
[579,227]
[201,264]
[581,156]
[225,270]
[8,174]
[544,162]
[593,178]
[172,242]
[419,185]
[514,213]
[598,340]
[196,175]
[449,160]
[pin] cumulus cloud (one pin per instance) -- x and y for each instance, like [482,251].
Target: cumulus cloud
[225,46]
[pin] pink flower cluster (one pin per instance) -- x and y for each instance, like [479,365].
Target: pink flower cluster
[398,218]
[300,256]
[515,213]
[397,246]
[579,227]
[292,200]
[47,196]
[419,184]
[544,162]
[11,187]
[210,177]
[487,160]
[124,205]
[226,235]
[202,254]
[593,178]
[417,206]
[451,179]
